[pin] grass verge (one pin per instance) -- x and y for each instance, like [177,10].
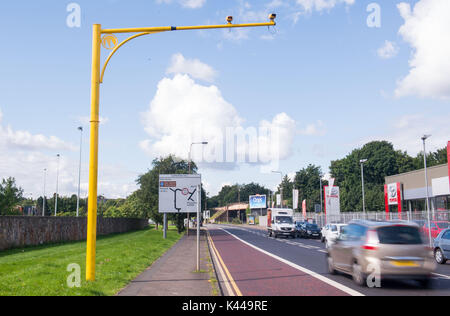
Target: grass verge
[42,271]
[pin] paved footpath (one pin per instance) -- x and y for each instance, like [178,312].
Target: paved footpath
[174,273]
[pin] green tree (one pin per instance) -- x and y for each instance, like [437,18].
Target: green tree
[382,161]
[307,181]
[10,196]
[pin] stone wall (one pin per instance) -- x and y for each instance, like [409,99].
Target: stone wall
[18,232]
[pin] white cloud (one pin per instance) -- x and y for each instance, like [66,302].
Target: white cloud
[407,131]
[191,4]
[427,29]
[388,50]
[320,5]
[183,112]
[314,129]
[23,156]
[193,67]
[27,141]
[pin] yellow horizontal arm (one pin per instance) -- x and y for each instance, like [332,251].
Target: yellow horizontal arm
[183,28]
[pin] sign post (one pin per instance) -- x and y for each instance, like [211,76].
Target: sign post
[199,197]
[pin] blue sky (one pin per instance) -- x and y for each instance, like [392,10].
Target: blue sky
[323,75]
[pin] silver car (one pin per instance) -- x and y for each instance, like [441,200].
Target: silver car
[389,250]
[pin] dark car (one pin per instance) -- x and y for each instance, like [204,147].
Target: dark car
[442,247]
[307,230]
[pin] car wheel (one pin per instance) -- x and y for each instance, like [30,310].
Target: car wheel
[358,275]
[322,239]
[275,235]
[439,256]
[330,265]
[270,234]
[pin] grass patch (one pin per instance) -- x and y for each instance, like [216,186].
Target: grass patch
[120,258]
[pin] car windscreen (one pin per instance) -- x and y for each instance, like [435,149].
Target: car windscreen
[399,235]
[284,220]
[312,226]
[334,228]
[442,225]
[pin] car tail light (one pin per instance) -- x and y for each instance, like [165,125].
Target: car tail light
[372,241]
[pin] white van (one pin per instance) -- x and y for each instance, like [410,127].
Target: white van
[280,222]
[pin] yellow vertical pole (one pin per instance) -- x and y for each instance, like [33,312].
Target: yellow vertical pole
[93,158]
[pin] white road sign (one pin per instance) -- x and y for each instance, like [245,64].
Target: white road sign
[178,193]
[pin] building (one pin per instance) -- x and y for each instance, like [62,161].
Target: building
[407,191]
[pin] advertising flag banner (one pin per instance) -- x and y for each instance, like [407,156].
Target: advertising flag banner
[332,201]
[295,199]
[304,209]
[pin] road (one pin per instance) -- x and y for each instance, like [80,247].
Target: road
[254,264]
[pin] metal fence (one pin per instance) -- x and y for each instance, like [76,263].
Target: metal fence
[344,218]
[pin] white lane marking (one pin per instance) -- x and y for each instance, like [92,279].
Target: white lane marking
[442,276]
[335,284]
[324,251]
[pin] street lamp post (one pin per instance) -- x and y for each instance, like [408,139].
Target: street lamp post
[57,184]
[43,201]
[190,172]
[363,161]
[424,138]
[111,42]
[281,186]
[79,171]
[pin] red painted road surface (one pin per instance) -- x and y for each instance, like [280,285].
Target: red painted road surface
[257,274]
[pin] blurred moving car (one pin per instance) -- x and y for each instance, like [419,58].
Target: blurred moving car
[395,249]
[436,228]
[330,233]
[307,230]
[442,247]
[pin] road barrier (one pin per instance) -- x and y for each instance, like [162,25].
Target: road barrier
[25,231]
[344,218]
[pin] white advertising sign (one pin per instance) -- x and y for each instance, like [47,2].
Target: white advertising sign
[332,201]
[178,193]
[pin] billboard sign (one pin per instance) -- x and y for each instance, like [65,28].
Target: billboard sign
[258,201]
[179,193]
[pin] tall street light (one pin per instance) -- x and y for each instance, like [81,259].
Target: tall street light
[362,162]
[190,172]
[107,39]
[424,138]
[79,171]
[43,201]
[281,186]
[57,184]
